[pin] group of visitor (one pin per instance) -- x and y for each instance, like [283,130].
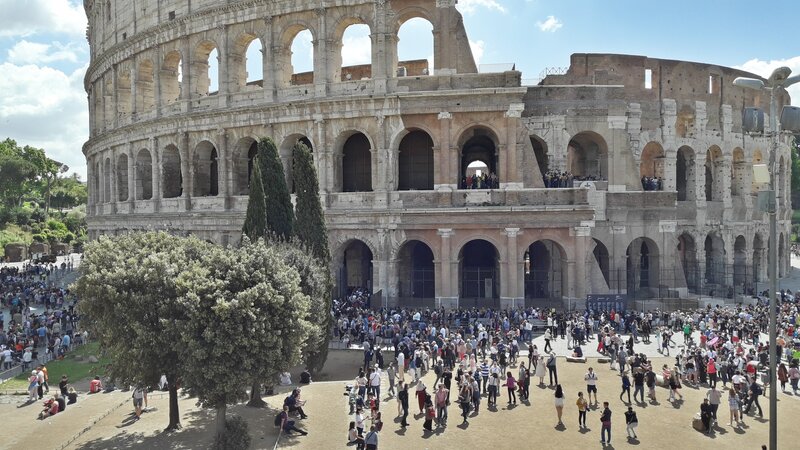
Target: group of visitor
[482,181]
[652,183]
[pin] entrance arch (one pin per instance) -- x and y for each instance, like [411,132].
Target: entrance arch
[715,259]
[540,152]
[651,168]
[143,175]
[687,251]
[545,272]
[206,170]
[171,176]
[759,259]
[685,174]
[415,265]
[355,268]
[740,279]
[415,162]
[244,157]
[286,153]
[587,156]
[356,164]
[479,270]
[479,150]
[600,259]
[642,267]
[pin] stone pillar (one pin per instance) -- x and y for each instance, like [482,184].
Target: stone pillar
[187,75]
[512,269]
[115,122]
[511,178]
[157,68]
[696,175]
[321,45]
[224,167]
[268,62]
[90,187]
[670,170]
[582,241]
[134,77]
[224,64]
[155,154]
[446,296]
[443,177]
[187,170]
[131,176]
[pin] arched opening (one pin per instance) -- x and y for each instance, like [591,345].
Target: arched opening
[300,60]
[415,162]
[544,271]
[206,173]
[782,251]
[124,103]
[642,268]
[587,156]
[171,176]
[144,175]
[715,263]
[687,252]
[757,185]
[109,111]
[479,153]
[246,59]
[714,173]
[741,282]
[356,52]
[356,164]
[416,277]
[107,181]
[738,173]
[171,78]
[599,268]
[685,174]
[651,168]
[122,177]
[244,157]
[355,271]
[542,159]
[415,48]
[145,88]
[759,259]
[205,69]
[479,270]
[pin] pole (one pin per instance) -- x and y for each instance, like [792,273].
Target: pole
[773,273]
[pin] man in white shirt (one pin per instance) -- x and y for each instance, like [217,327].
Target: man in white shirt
[7,358]
[401,366]
[591,384]
[375,382]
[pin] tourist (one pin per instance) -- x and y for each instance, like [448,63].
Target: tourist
[705,416]
[494,387]
[62,402]
[794,376]
[734,406]
[631,421]
[783,375]
[582,405]
[552,369]
[62,385]
[402,399]
[391,374]
[714,398]
[591,384]
[293,403]
[511,384]
[605,420]
[72,395]
[674,382]
[441,405]
[559,403]
[465,401]
[371,439]
[354,438]
[430,414]
[95,385]
[50,408]
[540,370]
[626,387]
[375,382]
[359,419]
[33,387]
[547,337]
[139,394]
[288,426]
[421,392]
[755,392]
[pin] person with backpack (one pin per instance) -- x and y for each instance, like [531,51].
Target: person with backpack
[755,392]
[287,426]
[551,368]
[631,421]
[371,439]
[139,394]
[605,420]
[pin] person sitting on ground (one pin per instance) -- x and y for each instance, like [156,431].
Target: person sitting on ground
[72,395]
[50,408]
[62,402]
[305,377]
[354,438]
[95,385]
[286,379]
[577,352]
[288,425]
[293,403]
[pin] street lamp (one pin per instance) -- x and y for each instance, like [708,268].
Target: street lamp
[778,80]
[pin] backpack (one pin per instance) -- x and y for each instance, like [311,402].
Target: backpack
[278,419]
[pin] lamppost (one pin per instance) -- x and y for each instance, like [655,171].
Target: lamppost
[777,81]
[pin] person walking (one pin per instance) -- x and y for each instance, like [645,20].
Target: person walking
[794,376]
[582,405]
[755,392]
[511,384]
[552,369]
[674,385]
[494,386]
[591,384]
[638,384]
[391,374]
[705,416]
[733,405]
[547,336]
[375,382]
[605,420]
[559,403]
[540,370]
[441,405]
[465,401]
[714,398]
[421,393]
[632,422]
[402,397]
[371,439]
[139,394]
[626,387]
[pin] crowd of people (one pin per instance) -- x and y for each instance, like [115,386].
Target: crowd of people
[475,353]
[482,181]
[652,183]
[564,179]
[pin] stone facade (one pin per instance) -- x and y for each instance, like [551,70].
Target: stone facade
[392,152]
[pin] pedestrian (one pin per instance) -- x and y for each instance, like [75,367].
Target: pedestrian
[605,420]
[638,384]
[540,370]
[547,337]
[626,387]
[591,384]
[631,421]
[794,376]
[421,393]
[354,438]
[714,398]
[552,369]
[582,405]
[402,398]
[733,405]
[674,385]
[559,403]
[494,385]
[391,374]
[441,405]
[371,439]
[465,401]
[430,414]
[139,394]
[783,375]
[511,384]
[375,382]
[755,392]
[705,416]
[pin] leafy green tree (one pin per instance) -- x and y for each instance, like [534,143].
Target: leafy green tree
[247,312]
[15,174]
[280,214]
[310,223]
[255,222]
[133,304]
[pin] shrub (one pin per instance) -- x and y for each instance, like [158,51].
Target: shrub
[236,435]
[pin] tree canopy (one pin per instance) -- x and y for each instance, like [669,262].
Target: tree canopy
[280,213]
[255,221]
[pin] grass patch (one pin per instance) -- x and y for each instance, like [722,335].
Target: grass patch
[13,234]
[70,366]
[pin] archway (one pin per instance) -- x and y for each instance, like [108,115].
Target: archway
[741,282]
[714,174]
[356,268]
[247,62]
[759,259]
[144,175]
[479,152]
[416,274]
[300,61]
[415,162]
[738,173]
[286,153]
[479,270]
[600,259]
[356,164]
[685,174]
[642,267]
[171,175]
[145,88]
[205,66]
[687,251]
[171,78]
[540,152]
[545,274]
[651,168]
[414,47]
[715,260]
[355,52]
[122,177]
[587,156]
[206,171]
[244,156]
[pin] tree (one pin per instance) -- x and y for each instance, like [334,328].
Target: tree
[310,223]
[280,214]
[15,173]
[130,303]
[246,312]
[255,222]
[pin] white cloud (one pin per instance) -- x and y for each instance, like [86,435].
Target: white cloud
[471,6]
[356,46]
[25,52]
[477,50]
[551,24]
[765,68]
[47,108]
[28,17]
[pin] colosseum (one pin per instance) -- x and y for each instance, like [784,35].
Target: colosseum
[623,176]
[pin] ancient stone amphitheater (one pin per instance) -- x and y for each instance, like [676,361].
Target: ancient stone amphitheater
[396,145]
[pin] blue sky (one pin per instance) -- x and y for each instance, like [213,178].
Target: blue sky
[43,49]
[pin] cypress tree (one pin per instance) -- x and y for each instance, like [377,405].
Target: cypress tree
[310,224]
[280,214]
[255,223]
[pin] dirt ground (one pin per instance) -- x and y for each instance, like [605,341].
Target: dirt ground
[662,425]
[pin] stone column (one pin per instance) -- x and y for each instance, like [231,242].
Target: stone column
[511,178]
[115,122]
[157,68]
[134,77]
[321,46]
[268,62]
[582,240]
[224,64]
[513,269]
[446,297]
[155,154]
[670,170]
[187,76]
[90,187]
[224,167]
[187,171]
[131,176]
[444,179]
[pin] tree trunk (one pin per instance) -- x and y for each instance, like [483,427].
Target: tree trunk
[255,396]
[174,413]
[220,426]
